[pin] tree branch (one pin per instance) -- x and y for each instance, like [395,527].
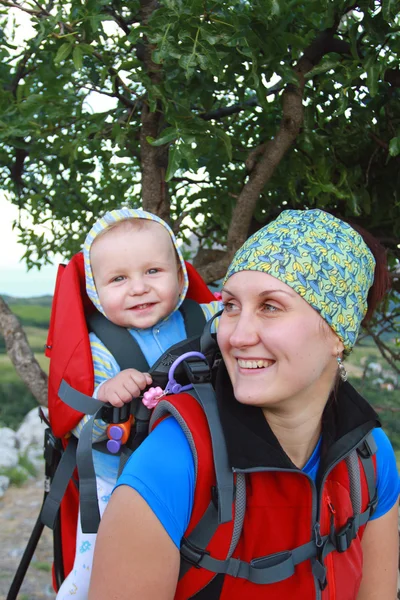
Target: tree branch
[21,355]
[275,149]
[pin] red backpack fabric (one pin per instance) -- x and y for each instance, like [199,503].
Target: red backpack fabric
[70,356]
[280,504]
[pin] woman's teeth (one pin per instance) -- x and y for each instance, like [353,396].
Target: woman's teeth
[254,364]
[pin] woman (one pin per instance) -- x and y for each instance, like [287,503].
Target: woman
[294,297]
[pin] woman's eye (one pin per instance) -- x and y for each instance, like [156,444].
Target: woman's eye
[229,306]
[270,308]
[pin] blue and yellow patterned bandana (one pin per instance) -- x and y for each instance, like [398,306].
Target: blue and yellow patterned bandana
[322,258]
[108,219]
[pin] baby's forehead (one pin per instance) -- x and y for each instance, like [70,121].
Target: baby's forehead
[158,234]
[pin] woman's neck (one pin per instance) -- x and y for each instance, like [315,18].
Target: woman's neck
[297,433]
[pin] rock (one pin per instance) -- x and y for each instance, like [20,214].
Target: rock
[8,448]
[31,430]
[375,368]
[4,483]
[35,456]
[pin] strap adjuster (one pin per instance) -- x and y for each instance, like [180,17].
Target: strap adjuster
[191,553]
[346,535]
[115,414]
[197,371]
[372,504]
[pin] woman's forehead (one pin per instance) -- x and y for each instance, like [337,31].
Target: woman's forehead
[248,282]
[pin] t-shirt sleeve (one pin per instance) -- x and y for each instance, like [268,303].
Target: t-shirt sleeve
[162,471]
[388,482]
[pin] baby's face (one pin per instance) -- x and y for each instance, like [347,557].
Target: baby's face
[137,277]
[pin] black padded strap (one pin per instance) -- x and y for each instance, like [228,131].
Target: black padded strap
[119,342]
[193,317]
[59,484]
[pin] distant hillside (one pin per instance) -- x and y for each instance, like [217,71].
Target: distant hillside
[36,301]
[32,312]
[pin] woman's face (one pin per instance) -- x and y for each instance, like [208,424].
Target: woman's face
[276,347]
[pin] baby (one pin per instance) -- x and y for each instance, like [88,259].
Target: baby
[136,277]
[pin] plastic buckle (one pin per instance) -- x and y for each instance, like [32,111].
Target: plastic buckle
[114,414]
[372,504]
[51,452]
[366,451]
[191,553]
[345,536]
[197,371]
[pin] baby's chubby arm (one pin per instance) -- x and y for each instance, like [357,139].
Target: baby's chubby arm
[124,386]
[105,370]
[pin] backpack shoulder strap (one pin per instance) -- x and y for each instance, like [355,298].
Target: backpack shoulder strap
[119,342]
[193,317]
[227,491]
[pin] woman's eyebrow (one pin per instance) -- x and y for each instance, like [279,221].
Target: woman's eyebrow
[267,292]
[264,293]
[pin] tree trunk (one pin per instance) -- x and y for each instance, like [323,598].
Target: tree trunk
[21,355]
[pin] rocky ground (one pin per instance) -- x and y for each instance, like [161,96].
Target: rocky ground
[19,509]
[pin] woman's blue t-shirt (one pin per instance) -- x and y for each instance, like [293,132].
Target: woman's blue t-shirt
[162,471]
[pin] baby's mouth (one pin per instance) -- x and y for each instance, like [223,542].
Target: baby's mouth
[254,364]
[142,306]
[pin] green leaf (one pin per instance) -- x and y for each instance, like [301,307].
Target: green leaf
[394,146]
[388,9]
[63,52]
[226,139]
[168,135]
[174,159]
[372,79]
[77,58]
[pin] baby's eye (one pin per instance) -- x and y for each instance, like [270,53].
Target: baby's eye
[119,278]
[153,271]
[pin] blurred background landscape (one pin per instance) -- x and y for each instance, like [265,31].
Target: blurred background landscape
[368,371]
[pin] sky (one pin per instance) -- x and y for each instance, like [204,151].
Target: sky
[15,279]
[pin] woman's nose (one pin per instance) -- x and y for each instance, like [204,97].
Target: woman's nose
[245,332]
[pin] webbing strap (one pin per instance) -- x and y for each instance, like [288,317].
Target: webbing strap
[224,475]
[77,400]
[59,484]
[267,569]
[90,515]
[122,345]
[205,529]
[366,451]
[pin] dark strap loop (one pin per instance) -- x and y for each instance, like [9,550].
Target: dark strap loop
[59,484]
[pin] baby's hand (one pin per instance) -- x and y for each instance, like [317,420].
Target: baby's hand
[123,387]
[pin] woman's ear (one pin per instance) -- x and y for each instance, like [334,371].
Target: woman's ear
[338,348]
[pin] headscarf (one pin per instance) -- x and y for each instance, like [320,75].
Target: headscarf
[320,257]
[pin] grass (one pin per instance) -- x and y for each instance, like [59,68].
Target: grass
[41,566]
[36,316]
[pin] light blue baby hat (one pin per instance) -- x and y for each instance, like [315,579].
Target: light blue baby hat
[103,223]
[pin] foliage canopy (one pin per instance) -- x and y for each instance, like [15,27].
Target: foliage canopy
[224,111]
